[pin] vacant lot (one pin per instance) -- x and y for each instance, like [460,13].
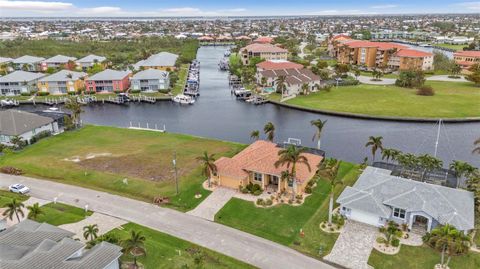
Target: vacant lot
[451,100]
[137,164]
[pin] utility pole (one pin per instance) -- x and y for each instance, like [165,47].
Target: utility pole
[175,169]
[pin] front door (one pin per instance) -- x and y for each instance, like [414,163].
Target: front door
[274,180]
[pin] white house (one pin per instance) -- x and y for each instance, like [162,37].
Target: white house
[19,82]
[150,80]
[24,124]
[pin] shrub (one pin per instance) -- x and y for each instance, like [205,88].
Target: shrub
[381,240]
[425,91]
[43,93]
[323,225]
[395,242]
[298,201]
[260,201]
[135,91]
[164,91]
[410,79]
[299,196]
[39,136]
[268,202]
[308,189]
[257,192]
[290,201]
[26,94]
[244,190]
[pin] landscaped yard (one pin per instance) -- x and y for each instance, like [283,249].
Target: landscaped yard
[59,214]
[7,196]
[451,100]
[165,251]
[420,258]
[282,223]
[182,79]
[136,164]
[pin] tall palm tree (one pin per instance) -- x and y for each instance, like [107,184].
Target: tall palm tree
[476,149]
[209,167]
[280,85]
[90,231]
[449,241]
[135,246]
[319,124]
[461,169]
[429,163]
[14,208]
[269,130]
[305,88]
[34,211]
[387,154]
[255,134]
[76,108]
[291,156]
[329,169]
[375,142]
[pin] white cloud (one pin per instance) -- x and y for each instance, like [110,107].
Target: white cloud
[469,6]
[341,12]
[384,6]
[193,11]
[101,11]
[35,5]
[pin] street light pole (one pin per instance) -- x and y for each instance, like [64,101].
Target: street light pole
[175,168]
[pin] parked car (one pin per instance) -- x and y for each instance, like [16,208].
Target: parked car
[19,188]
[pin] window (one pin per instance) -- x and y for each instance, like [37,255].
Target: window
[290,183]
[399,213]
[257,176]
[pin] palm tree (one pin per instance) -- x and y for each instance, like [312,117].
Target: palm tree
[135,246]
[476,149]
[305,88]
[429,163]
[461,169]
[34,211]
[269,130]
[90,231]
[255,134]
[387,154]
[280,85]
[291,156]
[17,141]
[14,208]
[209,167]
[329,169]
[375,142]
[319,124]
[449,241]
[76,108]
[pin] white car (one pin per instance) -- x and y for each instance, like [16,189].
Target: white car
[19,188]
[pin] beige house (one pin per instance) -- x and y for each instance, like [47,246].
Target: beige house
[256,164]
[263,51]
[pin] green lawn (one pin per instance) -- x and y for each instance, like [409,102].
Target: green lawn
[451,100]
[282,223]
[58,214]
[165,251]
[452,46]
[420,258]
[7,196]
[182,79]
[143,157]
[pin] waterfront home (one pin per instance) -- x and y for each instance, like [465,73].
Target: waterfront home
[88,61]
[58,61]
[108,81]
[162,61]
[277,65]
[62,82]
[262,51]
[150,80]
[24,125]
[28,63]
[19,82]
[467,58]
[377,197]
[256,165]
[294,80]
[30,244]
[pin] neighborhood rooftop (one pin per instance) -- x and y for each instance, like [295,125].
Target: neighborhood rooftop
[60,59]
[28,59]
[150,74]
[15,122]
[91,58]
[109,74]
[159,59]
[62,75]
[20,76]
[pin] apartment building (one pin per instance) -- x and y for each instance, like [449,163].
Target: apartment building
[162,61]
[89,60]
[108,81]
[19,82]
[263,51]
[58,61]
[62,82]
[409,59]
[28,63]
[467,58]
[150,80]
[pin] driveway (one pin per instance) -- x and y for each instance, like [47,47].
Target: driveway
[228,241]
[368,80]
[354,245]
[446,78]
[104,222]
[213,203]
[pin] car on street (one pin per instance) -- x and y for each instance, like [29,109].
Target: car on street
[19,188]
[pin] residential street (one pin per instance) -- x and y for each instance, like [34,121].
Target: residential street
[242,246]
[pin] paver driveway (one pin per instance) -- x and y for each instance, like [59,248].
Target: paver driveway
[213,203]
[104,222]
[354,245]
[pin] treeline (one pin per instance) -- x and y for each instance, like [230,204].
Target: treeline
[118,51]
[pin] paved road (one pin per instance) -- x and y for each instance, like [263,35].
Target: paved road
[242,246]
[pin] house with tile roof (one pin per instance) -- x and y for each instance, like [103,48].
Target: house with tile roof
[108,81]
[62,82]
[28,63]
[377,197]
[263,40]
[467,58]
[19,82]
[256,164]
[277,65]
[262,51]
[30,244]
[294,79]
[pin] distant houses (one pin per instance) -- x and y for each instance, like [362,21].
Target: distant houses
[150,80]
[88,61]
[62,82]
[58,61]
[19,82]
[262,51]
[467,58]
[108,81]
[28,63]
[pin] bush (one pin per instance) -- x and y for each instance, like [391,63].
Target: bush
[135,91]
[244,190]
[410,79]
[257,192]
[164,91]
[308,189]
[43,93]
[395,242]
[260,201]
[425,91]
[268,202]
[26,94]
[381,240]
[299,196]
[39,136]
[290,201]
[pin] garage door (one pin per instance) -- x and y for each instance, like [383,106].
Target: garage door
[365,217]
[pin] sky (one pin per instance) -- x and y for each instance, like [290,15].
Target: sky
[179,8]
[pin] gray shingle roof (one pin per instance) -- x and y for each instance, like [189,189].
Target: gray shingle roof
[160,59]
[377,192]
[60,59]
[27,59]
[62,76]
[34,245]
[109,74]
[21,76]
[150,74]
[5,60]
[15,122]
[91,58]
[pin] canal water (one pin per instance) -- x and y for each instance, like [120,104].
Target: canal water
[217,114]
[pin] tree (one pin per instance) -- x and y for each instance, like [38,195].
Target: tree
[18,142]
[390,154]
[318,124]
[280,85]
[209,167]
[76,108]
[255,134]
[34,211]
[429,163]
[375,142]
[455,70]
[473,185]
[341,69]
[449,241]
[269,130]
[329,169]
[90,231]
[291,156]
[357,72]
[135,246]
[474,75]
[410,79]
[461,169]
[377,74]
[305,88]
[14,208]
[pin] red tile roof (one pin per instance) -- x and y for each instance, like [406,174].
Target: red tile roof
[263,48]
[467,53]
[411,53]
[341,36]
[261,157]
[264,40]
[206,38]
[370,44]
[276,65]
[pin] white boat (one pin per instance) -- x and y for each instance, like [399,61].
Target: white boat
[183,99]
[7,102]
